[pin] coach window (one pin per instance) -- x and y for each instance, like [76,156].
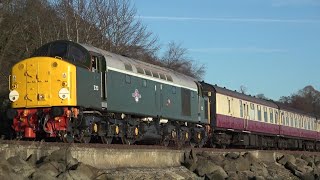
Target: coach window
[241,108]
[276,117]
[265,114]
[259,112]
[309,122]
[291,120]
[305,125]
[271,115]
[128,79]
[252,113]
[287,119]
[282,119]
[229,105]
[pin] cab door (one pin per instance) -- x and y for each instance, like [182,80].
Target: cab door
[99,65]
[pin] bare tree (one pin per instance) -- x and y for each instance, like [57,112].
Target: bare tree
[243,89]
[262,96]
[306,99]
[176,58]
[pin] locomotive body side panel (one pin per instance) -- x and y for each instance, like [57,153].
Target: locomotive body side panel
[128,94]
[88,89]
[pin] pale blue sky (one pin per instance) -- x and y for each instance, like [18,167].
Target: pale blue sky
[269,46]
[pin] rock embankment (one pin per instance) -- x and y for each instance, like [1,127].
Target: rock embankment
[247,166]
[202,165]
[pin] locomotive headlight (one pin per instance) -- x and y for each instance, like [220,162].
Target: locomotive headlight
[13,95]
[64,93]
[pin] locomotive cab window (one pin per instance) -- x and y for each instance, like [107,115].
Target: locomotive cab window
[67,50]
[94,64]
[58,49]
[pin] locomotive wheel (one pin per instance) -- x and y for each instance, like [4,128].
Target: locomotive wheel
[165,141]
[106,140]
[82,138]
[192,143]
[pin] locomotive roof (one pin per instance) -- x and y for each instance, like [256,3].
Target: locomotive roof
[117,62]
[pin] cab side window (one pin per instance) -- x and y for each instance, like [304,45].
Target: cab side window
[94,64]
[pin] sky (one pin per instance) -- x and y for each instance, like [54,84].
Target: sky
[268,46]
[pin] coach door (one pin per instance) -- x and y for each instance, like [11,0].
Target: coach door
[246,115]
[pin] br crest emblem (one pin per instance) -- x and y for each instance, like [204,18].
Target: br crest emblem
[136,95]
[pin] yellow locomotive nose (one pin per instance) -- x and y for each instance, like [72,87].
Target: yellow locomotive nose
[43,82]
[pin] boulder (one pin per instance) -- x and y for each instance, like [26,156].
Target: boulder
[32,159]
[82,172]
[6,172]
[217,174]
[207,167]
[308,159]
[301,171]
[38,175]
[258,178]
[190,160]
[217,159]
[21,167]
[233,155]
[317,158]
[239,164]
[62,156]
[245,175]
[52,168]
[286,158]
[259,169]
